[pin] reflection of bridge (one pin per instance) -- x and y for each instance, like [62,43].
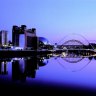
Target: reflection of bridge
[77,51]
[22,53]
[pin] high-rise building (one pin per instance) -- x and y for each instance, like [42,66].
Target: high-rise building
[26,38]
[31,40]
[15,36]
[16,32]
[3,37]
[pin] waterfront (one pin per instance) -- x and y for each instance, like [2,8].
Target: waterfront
[53,74]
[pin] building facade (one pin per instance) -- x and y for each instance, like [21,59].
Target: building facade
[28,40]
[16,32]
[3,37]
[31,40]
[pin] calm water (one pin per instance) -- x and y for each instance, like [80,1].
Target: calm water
[52,72]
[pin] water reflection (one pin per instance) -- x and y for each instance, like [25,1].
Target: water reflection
[55,71]
[74,60]
[27,66]
[73,64]
[3,68]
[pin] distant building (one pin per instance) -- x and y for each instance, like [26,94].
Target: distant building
[44,43]
[31,40]
[3,37]
[26,38]
[16,32]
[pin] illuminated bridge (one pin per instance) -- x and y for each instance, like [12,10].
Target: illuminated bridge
[71,47]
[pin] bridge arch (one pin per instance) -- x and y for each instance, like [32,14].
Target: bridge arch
[74,38]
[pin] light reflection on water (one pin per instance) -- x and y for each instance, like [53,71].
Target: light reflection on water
[54,70]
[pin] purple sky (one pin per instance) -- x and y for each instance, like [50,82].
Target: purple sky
[53,19]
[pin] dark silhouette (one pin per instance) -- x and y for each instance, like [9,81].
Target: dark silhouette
[3,68]
[27,68]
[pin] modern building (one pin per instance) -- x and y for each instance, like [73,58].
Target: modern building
[44,43]
[16,32]
[31,40]
[3,37]
[26,38]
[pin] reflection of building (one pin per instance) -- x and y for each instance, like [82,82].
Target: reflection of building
[3,68]
[22,67]
[17,73]
[31,66]
[26,67]
[3,37]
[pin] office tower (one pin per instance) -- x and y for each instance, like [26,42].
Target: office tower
[23,28]
[31,40]
[26,38]
[16,34]
[3,37]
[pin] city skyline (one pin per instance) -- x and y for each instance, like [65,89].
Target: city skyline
[57,69]
[52,19]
